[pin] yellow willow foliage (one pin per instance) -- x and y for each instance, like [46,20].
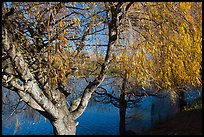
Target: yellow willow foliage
[132,64]
[185,6]
[49,27]
[63,39]
[184,51]
[124,61]
[171,54]
[60,66]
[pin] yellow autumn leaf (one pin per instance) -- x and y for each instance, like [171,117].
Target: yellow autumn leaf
[150,63]
[37,13]
[60,23]
[65,32]
[34,8]
[56,58]
[63,39]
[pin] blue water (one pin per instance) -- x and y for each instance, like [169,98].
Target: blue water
[97,121]
[94,121]
[153,110]
[101,119]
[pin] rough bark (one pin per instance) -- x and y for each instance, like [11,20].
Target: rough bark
[64,125]
[30,92]
[52,103]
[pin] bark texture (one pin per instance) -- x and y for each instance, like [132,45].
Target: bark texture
[36,91]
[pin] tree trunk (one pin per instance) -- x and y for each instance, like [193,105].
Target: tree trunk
[53,106]
[64,127]
[122,118]
[123,106]
[182,102]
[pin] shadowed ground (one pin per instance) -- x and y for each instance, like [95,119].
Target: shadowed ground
[184,123]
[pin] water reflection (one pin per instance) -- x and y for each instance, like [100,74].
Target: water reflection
[153,110]
[100,119]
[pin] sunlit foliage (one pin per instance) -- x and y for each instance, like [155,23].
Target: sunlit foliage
[165,45]
[56,32]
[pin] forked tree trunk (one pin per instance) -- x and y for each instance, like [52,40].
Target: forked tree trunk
[62,122]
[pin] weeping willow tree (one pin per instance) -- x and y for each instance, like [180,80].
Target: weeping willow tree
[160,48]
[170,50]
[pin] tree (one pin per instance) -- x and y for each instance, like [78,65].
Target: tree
[43,44]
[169,36]
[163,47]
[35,40]
[123,95]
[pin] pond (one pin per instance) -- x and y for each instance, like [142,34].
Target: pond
[101,119]
[94,121]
